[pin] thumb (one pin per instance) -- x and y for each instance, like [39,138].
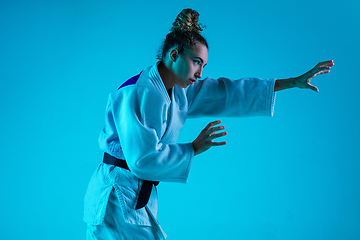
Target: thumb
[312,87]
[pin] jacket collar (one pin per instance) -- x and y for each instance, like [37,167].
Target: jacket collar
[158,82]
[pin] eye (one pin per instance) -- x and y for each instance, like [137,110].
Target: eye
[197,62]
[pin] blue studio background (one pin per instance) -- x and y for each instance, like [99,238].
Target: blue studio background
[293,176]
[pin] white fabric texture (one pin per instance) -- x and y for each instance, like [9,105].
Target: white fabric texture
[142,125]
[115,228]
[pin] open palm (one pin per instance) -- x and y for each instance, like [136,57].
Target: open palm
[303,81]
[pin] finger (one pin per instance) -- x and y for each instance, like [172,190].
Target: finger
[325,68]
[322,68]
[329,63]
[312,87]
[217,135]
[218,143]
[211,124]
[215,129]
[318,71]
[322,72]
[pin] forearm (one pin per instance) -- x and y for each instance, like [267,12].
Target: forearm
[282,84]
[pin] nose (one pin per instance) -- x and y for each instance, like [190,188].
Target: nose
[199,73]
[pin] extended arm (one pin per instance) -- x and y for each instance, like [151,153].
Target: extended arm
[303,81]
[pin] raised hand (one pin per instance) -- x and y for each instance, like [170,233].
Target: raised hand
[204,141]
[303,81]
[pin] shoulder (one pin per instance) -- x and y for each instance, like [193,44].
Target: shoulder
[141,95]
[136,87]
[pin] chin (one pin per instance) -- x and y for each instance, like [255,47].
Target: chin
[183,85]
[187,85]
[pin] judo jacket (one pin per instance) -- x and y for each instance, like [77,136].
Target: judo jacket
[142,125]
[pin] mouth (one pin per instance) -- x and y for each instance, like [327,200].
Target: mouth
[192,81]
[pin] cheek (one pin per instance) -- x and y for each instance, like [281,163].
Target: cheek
[184,71]
[189,70]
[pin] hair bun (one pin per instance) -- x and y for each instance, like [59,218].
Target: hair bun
[187,20]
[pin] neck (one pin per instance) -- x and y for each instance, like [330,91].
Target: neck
[167,76]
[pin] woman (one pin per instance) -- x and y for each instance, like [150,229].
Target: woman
[144,118]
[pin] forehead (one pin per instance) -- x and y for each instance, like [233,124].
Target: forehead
[199,51]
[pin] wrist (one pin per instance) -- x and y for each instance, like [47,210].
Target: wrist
[282,84]
[194,148]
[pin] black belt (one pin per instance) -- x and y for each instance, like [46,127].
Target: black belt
[146,188]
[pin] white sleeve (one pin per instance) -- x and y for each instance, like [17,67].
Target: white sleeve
[231,98]
[138,121]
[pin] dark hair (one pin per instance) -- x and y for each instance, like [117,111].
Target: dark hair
[184,33]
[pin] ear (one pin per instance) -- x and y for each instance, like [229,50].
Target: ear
[174,53]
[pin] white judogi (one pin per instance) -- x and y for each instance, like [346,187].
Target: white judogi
[142,125]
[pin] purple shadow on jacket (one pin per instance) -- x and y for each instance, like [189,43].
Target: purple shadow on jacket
[130,81]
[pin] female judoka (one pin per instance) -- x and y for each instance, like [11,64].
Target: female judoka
[142,124]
